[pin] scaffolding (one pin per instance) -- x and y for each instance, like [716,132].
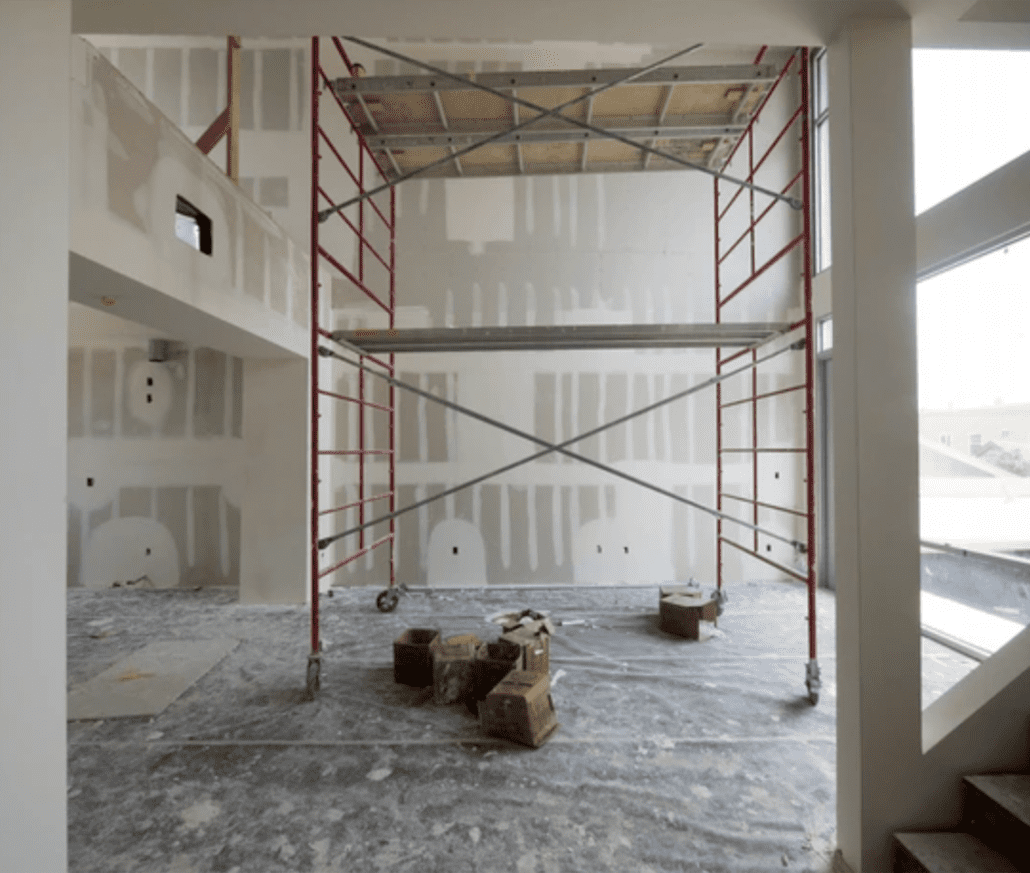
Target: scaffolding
[363,350]
[367,164]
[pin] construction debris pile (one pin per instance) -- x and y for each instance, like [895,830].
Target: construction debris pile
[506,683]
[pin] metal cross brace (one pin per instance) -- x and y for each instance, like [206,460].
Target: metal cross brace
[551,447]
[515,101]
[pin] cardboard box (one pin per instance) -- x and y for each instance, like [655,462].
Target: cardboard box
[493,662]
[682,615]
[475,641]
[520,708]
[684,590]
[452,671]
[535,648]
[413,656]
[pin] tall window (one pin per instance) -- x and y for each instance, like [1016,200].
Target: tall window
[821,159]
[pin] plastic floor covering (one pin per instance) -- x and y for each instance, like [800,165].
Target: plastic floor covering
[672,755]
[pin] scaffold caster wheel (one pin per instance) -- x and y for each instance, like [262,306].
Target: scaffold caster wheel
[314,674]
[387,600]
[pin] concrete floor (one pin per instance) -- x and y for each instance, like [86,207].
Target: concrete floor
[671,755]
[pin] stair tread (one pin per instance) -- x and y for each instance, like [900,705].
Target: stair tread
[1009,790]
[954,853]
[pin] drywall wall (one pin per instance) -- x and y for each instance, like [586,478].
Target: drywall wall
[155,458]
[34,217]
[249,296]
[546,250]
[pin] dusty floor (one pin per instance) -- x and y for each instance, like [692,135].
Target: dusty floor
[671,756]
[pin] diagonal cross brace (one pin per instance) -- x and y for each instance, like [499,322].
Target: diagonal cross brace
[551,447]
[555,112]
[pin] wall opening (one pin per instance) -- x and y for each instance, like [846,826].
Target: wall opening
[192,226]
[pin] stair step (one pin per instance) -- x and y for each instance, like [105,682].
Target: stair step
[948,853]
[997,810]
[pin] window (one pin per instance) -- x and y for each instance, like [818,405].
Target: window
[946,439]
[821,160]
[192,226]
[824,336]
[975,441]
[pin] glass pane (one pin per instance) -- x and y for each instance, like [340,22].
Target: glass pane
[968,120]
[974,452]
[823,256]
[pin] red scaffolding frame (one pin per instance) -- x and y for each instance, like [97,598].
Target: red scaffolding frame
[800,117]
[367,164]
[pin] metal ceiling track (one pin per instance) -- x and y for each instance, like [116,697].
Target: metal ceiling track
[560,337]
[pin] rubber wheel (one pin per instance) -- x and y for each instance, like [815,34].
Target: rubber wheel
[314,681]
[387,601]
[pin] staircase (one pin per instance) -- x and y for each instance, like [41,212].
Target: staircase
[993,837]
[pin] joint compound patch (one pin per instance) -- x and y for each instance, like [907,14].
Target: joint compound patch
[200,813]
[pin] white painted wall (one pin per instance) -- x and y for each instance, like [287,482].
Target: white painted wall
[34,220]
[249,297]
[155,471]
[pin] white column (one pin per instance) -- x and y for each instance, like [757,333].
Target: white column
[875,438]
[35,92]
[274,533]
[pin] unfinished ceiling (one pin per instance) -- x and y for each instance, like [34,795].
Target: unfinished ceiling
[426,122]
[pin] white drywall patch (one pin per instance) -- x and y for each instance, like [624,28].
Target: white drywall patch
[127,549]
[457,555]
[480,210]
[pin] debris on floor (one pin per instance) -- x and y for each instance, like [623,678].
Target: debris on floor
[506,683]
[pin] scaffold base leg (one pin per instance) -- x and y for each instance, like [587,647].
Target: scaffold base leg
[812,681]
[387,600]
[314,681]
[719,596]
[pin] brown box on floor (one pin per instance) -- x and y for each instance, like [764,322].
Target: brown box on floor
[520,708]
[453,664]
[535,648]
[682,615]
[493,662]
[413,656]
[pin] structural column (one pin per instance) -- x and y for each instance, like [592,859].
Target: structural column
[35,93]
[274,525]
[875,429]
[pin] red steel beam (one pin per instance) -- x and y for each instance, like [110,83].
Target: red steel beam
[796,512]
[353,557]
[768,151]
[766,394]
[214,133]
[806,266]
[790,571]
[314,347]
[762,105]
[357,233]
[739,450]
[356,452]
[351,276]
[355,400]
[765,212]
[773,260]
[357,503]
